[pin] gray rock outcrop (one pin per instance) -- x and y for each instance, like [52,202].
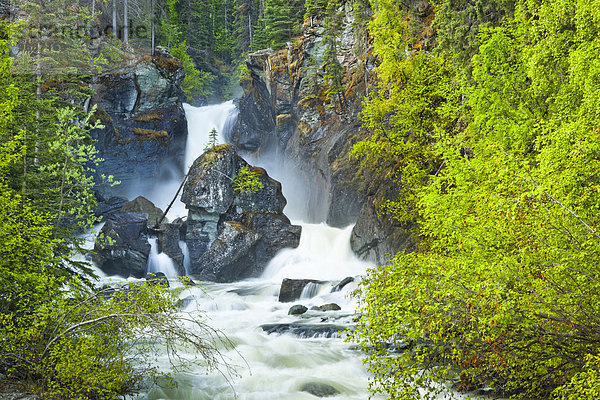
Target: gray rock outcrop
[145,130]
[169,236]
[122,247]
[142,205]
[376,238]
[297,309]
[319,389]
[286,111]
[232,235]
[327,307]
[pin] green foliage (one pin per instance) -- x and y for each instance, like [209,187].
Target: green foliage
[314,7]
[502,291]
[58,335]
[100,344]
[196,82]
[280,23]
[170,25]
[213,140]
[585,384]
[459,22]
[416,103]
[333,76]
[247,180]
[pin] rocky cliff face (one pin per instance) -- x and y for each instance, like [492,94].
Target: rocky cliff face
[232,234]
[140,105]
[286,110]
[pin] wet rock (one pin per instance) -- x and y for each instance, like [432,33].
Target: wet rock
[291,289]
[231,256]
[187,281]
[282,113]
[297,309]
[157,278]
[168,243]
[145,130]
[183,303]
[377,238]
[327,307]
[277,233]
[343,283]
[305,331]
[105,207]
[319,389]
[232,235]
[142,205]
[122,247]
[209,185]
[257,116]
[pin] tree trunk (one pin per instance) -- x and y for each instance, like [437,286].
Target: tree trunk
[114,18]
[250,30]
[125,22]
[225,17]
[153,27]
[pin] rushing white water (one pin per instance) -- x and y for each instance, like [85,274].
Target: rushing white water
[273,366]
[160,262]
[324,253]
[186,256]
[201,121]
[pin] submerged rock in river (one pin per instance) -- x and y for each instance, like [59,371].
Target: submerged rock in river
[291,289]
[232,235]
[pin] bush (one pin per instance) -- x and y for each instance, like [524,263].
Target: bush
[246,181]
[99,344]
[196,83]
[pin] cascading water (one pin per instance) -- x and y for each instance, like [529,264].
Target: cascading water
[201,121]
[160,262]
[276,366]
[271,366]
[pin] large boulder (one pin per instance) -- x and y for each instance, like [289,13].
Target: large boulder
[143,205]
[291,289]
[319,389]
[232,235]
[122,247]
[107,207]
[378,238]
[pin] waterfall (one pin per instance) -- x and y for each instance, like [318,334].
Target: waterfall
[160,262]
[201,120]
[324,253]
[186,256]
[280,365]
[310,290]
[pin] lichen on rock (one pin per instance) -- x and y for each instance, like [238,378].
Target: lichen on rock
[232,235]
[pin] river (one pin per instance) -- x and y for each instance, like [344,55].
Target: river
[268,366]
[276,366]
